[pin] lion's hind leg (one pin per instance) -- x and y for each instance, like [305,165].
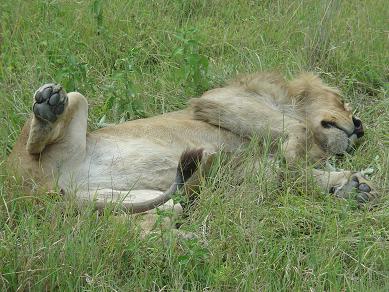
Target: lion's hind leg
[50,102]
[53,110]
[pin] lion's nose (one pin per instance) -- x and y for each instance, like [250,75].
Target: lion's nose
[358,128]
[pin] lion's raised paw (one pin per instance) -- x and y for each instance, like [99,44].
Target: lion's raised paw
[50,101]
[357,186]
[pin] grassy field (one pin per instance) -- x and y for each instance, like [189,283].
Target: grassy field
[141,58]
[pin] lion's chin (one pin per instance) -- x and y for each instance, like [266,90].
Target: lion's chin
[337,142]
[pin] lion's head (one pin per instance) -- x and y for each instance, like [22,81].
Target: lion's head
[331,120]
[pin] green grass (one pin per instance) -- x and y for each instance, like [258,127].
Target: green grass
[141,58]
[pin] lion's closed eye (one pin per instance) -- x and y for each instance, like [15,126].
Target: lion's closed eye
[328,124]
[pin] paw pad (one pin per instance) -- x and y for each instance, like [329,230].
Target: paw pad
[364,188]
[50,102]
[357,187]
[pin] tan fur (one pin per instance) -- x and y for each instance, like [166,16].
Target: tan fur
[264,104]
[143,154]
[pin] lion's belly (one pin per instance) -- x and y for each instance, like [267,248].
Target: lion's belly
[125,160]
[126,165]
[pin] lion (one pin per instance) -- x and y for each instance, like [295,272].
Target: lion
[142,163]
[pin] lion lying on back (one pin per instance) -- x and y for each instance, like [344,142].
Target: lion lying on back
[134,163]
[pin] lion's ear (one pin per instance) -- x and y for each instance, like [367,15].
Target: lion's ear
[348,107]
[301,86]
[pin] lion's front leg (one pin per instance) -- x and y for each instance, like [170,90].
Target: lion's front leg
[295,146]
[54,110]
[343,184]
[346,184]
